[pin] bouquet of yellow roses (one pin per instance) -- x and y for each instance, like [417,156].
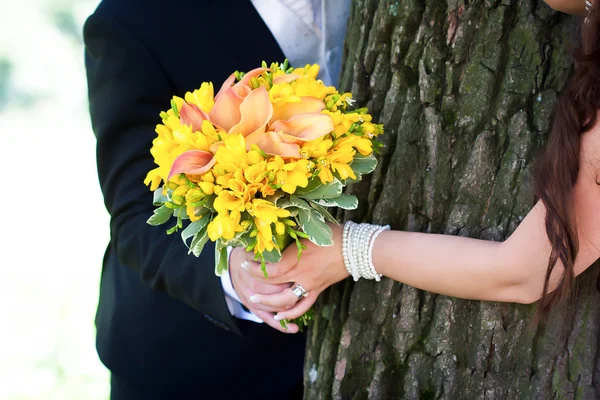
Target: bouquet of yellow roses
[258,165]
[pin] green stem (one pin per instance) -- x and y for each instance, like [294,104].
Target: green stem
[283,241]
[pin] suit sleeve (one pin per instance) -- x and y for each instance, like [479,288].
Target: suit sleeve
[127,89]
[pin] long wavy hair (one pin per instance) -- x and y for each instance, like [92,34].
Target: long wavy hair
[557,169]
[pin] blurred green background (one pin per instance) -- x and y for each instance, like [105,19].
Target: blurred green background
[54,225]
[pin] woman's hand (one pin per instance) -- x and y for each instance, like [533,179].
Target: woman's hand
[246,286]
[317,269]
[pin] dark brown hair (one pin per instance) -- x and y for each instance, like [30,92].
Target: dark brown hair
[558,168]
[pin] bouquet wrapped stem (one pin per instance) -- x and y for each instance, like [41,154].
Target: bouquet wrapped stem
[258,165]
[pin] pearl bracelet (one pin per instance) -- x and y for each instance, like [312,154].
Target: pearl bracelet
[358,241]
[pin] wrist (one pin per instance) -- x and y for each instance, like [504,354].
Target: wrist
[358,243]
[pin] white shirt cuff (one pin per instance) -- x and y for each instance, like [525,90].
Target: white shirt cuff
[231,297]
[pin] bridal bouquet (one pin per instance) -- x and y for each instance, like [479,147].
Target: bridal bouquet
[259,164]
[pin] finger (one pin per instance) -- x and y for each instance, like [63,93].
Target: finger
[256,273]
[282,301]
[270,320]
[262,307]
[258,287]
[288,261]
[298,310]
[274,273]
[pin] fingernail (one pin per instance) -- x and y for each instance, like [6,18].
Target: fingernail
[277,317]
[245,264]
[254,299]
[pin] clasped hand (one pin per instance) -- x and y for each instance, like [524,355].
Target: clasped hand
[272,298]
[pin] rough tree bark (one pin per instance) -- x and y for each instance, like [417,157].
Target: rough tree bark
[466,92]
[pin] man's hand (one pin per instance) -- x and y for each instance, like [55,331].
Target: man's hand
[246,286]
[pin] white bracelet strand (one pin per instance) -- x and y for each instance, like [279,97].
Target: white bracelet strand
[379,231]
[362,250]
[358,241]
[351,256]
[345,248]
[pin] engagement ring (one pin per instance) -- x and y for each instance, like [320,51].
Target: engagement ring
[299,291]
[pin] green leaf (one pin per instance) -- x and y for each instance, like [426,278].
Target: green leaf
[192,229]
[313,183]
[198,242]
[298,202]
[272,256]
[220,259]
[330,190]
[160,216]
[159,197]
[241,239]
[324,213]
[181,213]
[362,165]
[317,230]
[345,201]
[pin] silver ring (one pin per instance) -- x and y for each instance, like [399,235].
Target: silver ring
[299,291]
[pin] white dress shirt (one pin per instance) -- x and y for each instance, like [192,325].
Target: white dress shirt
[308,32]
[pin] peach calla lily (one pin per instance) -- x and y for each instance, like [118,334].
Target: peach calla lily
[190,114]
[256,110]
[304,127]
[239,109]
[272,143]
[286,78]
[226,111]
[306,105]
[193,162]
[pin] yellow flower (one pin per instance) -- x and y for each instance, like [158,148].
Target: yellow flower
[280,228]
[153,178]
[208,177]
[194,195]
[207,187]
[172,140]
[316,148]
[225,225]
[266,211]
[202,97]
[343,121]
[232,154]
[364,146]
[179,194]
[191,212]
[324,170]
[264,239]
[297,174]
[309,71]
[310,87]
[228,201]
[282,93]
[255,173]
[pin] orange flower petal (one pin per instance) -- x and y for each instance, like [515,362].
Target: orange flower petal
[304,127]
[194,162]
[306,105]
[251,74]
[226,85]
[272,143]
[190,114]
[287,78]
[226,111]
[256,110]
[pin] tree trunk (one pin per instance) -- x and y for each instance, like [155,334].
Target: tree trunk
[466,92]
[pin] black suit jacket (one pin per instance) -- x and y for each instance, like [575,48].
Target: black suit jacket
[162,319]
